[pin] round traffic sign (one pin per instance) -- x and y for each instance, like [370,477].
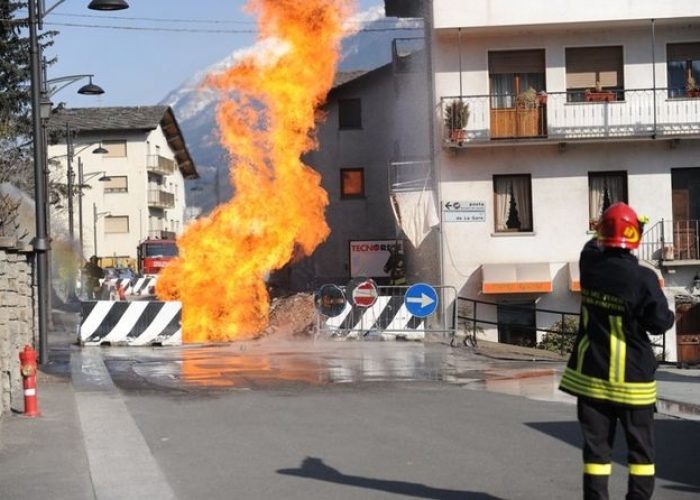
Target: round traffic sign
[365,293]
[329,300]
[421,300]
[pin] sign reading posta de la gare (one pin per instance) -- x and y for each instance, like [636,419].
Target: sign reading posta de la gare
[368,257]
[464,211]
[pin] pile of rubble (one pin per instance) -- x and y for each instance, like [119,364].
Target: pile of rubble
[292,316]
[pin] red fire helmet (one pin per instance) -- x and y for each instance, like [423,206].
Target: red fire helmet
[619,227]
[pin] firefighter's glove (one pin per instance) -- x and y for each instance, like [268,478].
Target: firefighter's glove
[643,220]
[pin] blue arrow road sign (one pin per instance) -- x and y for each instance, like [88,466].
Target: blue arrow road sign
[421,300]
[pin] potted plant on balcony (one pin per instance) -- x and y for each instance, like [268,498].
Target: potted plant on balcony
[692,88]
[456,118]
[597,94]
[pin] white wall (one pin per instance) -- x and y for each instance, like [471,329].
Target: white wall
[495,13]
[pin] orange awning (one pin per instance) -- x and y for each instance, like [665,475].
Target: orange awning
[516,278]
[574,277]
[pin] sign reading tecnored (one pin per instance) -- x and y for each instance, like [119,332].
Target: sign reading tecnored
[368,257]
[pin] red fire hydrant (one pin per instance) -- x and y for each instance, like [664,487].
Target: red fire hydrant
[27,362]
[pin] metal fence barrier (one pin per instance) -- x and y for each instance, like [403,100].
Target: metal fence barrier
[467,316]
[388,318]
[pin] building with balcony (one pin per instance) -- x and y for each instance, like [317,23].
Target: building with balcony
[134,189]
[570,108]
[543,117]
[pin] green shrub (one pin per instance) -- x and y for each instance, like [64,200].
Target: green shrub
[552,341]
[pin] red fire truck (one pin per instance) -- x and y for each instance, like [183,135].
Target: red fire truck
[153,255]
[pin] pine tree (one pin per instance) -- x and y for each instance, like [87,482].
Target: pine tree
[14,72]
[15,106]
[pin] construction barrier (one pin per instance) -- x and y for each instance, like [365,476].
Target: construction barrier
[137,287]
[388,318]
[137,323]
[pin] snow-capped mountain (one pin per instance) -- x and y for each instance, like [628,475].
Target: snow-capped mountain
[195,106]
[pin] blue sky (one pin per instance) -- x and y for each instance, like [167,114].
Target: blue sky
[139,67]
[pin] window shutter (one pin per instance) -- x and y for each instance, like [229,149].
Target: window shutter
[116,184]
[683,51]
[117,224]
[115,149]
[583,65]
[516,61]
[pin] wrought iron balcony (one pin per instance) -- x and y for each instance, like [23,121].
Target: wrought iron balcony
[671,241]
[158,164]
[573,116]
[160,199]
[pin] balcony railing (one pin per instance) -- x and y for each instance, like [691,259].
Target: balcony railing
[160,234]
[160,165]
[160,199]
[572,116]
[671,240]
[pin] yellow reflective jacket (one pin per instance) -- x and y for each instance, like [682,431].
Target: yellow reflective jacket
[621,302]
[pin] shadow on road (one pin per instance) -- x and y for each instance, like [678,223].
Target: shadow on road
[314,468]
[677,449]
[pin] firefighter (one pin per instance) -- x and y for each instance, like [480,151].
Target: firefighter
[396,267]
[94,273]
[611,369]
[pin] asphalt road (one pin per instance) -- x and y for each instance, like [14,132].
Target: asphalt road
[407,425]
[356,420]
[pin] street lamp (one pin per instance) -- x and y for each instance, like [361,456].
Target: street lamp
[96,215]
[41,241]
[108,5]
[82,178]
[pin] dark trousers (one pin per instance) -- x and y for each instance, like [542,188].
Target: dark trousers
[598,421]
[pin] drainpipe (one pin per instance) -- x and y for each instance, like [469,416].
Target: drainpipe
[434,155]
[653,70]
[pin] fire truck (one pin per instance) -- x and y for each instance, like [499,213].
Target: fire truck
[153,255]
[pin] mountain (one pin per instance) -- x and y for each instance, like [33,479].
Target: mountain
[195,107]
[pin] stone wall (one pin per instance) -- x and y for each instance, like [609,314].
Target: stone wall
[17,317]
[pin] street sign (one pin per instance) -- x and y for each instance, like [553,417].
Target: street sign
[365,293]
[421,300]
[329,300]
[464,211]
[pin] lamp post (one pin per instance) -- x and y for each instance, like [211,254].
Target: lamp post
[81,180]
[70,183]
[96,215]
[40,241]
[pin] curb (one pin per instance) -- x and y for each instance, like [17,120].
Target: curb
[679,409]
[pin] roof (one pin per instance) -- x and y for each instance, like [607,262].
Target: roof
[132,118]
[343,77]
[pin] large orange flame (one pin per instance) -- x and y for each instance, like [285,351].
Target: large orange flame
[266,119]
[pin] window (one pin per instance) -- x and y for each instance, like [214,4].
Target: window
[513,72]
[115,149]
[352,183]
[517,323]
[604,189]
[117,184]
[513,203]
[117,224]
[594,69]
[683,68]
[349,113]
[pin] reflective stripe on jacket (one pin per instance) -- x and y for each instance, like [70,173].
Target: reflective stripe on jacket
[621,302]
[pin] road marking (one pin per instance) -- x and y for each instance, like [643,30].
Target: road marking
[120,461]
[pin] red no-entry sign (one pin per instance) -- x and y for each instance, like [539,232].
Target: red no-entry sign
[365,294]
